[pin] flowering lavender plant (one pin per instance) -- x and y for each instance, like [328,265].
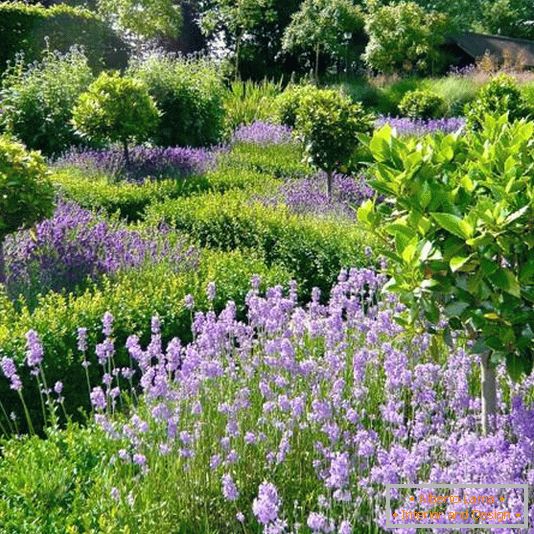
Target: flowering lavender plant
[309,195]
[76,244]
[263,133]
[145,162]
[301,415]
[406,126]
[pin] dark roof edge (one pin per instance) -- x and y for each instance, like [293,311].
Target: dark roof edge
[502,37]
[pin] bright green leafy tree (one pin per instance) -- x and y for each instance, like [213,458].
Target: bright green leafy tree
[319,27]
[460,216]
[116,109]
[404,38]
[26,194]
[328,123]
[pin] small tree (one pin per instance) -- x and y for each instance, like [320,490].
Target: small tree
[458,229]
[404,38]
[319,26]
[116,109]
[328,123]
[26,194]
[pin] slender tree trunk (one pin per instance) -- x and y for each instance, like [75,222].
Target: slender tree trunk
[488,393]
[237,52]
[329,176]
[317,55]
[126,153]
[2,262]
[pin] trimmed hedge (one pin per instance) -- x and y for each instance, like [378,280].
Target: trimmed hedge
[27,28]
[132,298]
[314,250]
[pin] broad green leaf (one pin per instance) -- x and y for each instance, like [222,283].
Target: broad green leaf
[457,262]
[452,224]
[504,279]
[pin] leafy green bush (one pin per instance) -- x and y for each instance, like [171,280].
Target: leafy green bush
[115,109]
[315,251]
[500,95]
[32,28]
[328,123]
[248,102]
[132,298]
[37,99]
[289,102]
[460,217]
[422,105]
[189,92]
[404,37]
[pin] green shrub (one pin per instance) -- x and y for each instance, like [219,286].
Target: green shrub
[26,194]
[315,251]
[289,102]
[248,102]
[328,124]
[132,298]
[37,99]
[129,199]
[501,95]
[117,110]
[422,105]
[189,92]
[32,28]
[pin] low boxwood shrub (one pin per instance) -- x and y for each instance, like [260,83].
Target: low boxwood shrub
[189,92]
[422,104]
[315,251]
[129,199]
[132,298]
[32,28]
[37,99]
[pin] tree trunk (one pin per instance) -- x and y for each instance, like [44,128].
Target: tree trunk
[237,52]
[489,393]
[317,55]
[126,153]
[329,176]
[2,263]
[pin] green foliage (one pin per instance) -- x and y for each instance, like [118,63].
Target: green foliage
[37,99]
[248,102]
[319,27]
[145,18]
[456,91]
[314,251]
[190,94]
[507,17]
[460,218]
[115,109]
[132,297]
[501,95]
[422,105]
[32,28]
[26,194]
[289,102]
[129,199]
[404,38]
[328,124]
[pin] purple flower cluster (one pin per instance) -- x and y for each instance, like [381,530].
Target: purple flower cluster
[263,133]
[334,399]
[406,126]
[76,244]
[309,196]
[145,162]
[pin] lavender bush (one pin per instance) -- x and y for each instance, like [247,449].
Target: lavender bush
[76,245]
[309,196]
[406,126]
[295,420]
[145,162]
[263,133]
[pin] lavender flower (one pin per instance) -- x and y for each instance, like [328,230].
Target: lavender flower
[34,349]
[263,133]
[229,488]
[10,372]
[267,504]
[406,126]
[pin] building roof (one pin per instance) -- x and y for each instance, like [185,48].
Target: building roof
[477,44]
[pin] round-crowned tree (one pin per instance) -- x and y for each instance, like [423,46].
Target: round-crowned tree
[328,123]
[116,109]
[26,193]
